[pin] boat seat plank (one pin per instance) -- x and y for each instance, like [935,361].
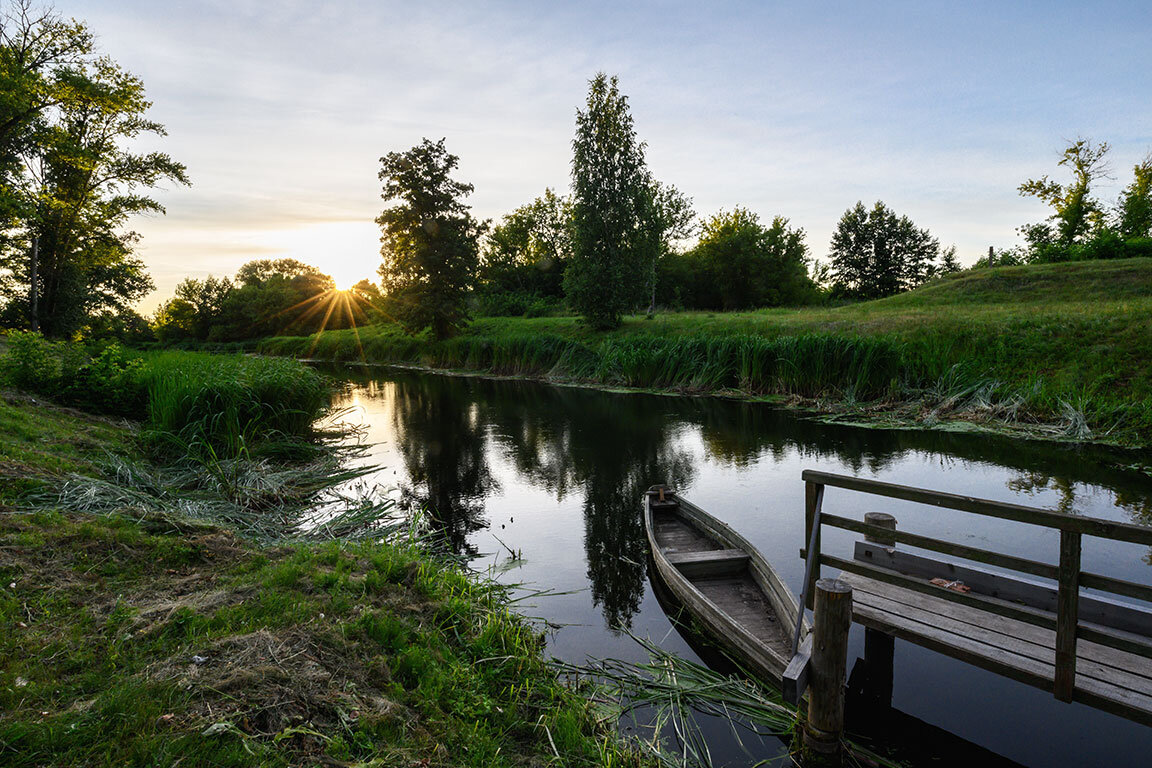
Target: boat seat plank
[1106,678]
[714,562]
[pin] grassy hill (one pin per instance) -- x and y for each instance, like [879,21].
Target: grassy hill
[1056,349]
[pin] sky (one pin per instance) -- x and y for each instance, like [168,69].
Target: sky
[281,110]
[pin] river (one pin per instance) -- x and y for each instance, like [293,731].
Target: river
[556,474]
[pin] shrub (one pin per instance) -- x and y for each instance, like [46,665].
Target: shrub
[32,362]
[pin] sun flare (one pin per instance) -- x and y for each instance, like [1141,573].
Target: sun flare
[349,251]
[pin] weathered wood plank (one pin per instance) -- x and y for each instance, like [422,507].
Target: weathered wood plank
[998,559]
[1111,698]
[973,619]
[1103,611]
[1091,526]
[1121,670]
[989,604]
[795,680]
[714,562]
[813,501]
[1116,586]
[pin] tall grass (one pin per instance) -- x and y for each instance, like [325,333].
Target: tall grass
[215,408]
[1059,350]
[227,406]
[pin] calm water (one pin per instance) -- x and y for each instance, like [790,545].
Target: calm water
[558,473]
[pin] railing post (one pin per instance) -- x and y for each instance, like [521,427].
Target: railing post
[825,725]
[1067,615]
[813,499]
[881,520]
[879,648]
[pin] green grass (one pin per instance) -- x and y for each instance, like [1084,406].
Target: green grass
[312,654]
[230,404]
[1057,349]
[333,653]
[212,407]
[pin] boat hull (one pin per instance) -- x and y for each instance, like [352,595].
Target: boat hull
[734,594]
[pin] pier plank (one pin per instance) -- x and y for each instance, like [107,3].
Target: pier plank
[1106,678]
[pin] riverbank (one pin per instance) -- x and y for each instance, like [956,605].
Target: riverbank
[1057,351]
[130,633]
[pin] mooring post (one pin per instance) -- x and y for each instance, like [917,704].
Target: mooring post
[879,648]
[831,622]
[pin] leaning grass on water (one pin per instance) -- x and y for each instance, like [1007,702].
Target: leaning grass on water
[679,691]
[1059,350]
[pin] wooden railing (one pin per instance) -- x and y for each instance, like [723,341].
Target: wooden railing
[1068,574]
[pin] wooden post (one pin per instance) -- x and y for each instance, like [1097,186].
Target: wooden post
[882,520]
[825,725]
[1067,615]
[879,648]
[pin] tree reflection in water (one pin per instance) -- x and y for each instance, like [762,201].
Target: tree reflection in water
[610,448]
[442,441]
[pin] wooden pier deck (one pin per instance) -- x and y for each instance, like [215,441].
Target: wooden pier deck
[1024,619]
[1106,678]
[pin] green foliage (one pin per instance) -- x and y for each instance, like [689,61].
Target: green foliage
[876,253]
[31,362]
[745,264]
[303,662]
[71,182]
[1134,211]
[615,242]
[195,404]
[525,255]
[430,240]
[230,405]
[1076,213]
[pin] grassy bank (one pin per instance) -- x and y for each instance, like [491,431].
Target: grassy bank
[133,637]
[190,403]
[1060,350]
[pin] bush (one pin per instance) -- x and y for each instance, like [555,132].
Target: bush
[32,362]
[111,383]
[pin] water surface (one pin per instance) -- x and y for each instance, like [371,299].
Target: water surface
[555,474]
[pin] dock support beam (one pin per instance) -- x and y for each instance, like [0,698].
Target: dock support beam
[825,726]
[879,648]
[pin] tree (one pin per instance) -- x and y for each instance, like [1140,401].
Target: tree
[876,253]
[1134,211]
[751,265]
[206,298]
[1076,214]
[672,219]
[614,243]
[70,183]
[429,242]
[41,55]
[526,253]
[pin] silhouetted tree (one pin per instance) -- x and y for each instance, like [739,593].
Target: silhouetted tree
[876,253]
[429,242]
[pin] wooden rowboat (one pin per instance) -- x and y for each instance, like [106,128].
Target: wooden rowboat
[722,581]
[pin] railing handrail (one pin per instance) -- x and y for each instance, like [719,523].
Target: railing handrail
[1068,573]
[1088,526]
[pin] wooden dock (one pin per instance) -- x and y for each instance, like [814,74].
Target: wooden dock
[1027,620]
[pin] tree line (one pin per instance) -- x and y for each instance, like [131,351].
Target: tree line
[613,245]
[619,241]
